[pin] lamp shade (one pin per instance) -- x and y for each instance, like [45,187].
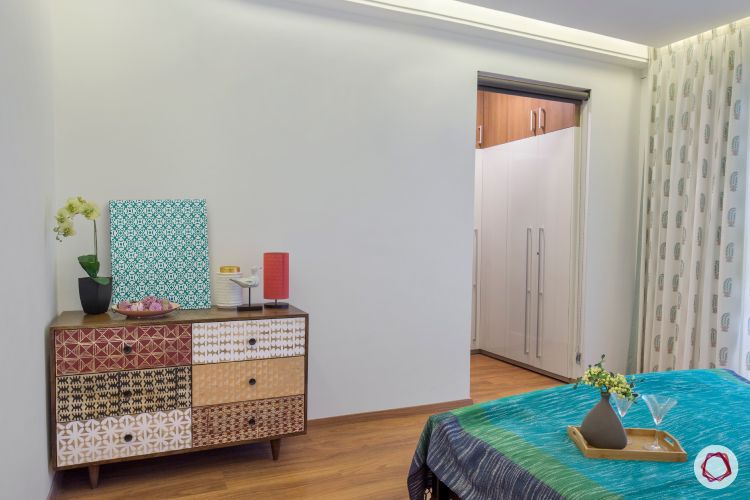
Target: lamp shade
[276,275]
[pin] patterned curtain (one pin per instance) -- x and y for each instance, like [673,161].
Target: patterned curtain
[694,206]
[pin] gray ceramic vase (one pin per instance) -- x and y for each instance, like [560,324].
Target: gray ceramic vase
[602,428]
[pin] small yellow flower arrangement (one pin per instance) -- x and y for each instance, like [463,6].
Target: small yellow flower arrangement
[608,382]
[64,229]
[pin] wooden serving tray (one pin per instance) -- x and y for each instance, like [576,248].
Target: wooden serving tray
[634,450]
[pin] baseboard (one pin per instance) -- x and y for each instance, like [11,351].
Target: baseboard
[393,413]
[525,366]
[54,488]
[475,351]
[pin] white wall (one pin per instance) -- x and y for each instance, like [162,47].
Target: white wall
[345,140]
[611,225]
[27,294]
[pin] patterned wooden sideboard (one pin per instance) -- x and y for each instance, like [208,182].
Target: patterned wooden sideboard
[124,389]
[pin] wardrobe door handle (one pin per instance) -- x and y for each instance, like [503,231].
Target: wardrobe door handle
[540,301]
[481,135]
[539,118]
[532,121]
[475,271]
[527,295]
[542,125]
[251,381]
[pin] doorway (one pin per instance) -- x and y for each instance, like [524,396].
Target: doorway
[529,199]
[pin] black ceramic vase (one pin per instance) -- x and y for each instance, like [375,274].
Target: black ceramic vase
[602,428]
[95,298]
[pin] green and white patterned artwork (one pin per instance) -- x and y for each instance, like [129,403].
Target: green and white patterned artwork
[160,247]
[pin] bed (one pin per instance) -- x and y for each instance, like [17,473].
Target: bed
[517,447]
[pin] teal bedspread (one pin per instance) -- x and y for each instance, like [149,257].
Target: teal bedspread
[517,447]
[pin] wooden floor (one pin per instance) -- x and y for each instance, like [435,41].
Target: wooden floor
[335,460]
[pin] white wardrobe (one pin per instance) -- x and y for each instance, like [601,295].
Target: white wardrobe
[526,251]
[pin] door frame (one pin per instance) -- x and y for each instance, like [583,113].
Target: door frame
[580,206]
[578,252]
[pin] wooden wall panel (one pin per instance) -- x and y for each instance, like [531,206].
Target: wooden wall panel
[221,383]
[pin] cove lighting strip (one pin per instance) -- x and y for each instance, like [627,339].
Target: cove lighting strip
[511,24]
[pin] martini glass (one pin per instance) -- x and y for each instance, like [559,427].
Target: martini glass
[623,405]
[658,406]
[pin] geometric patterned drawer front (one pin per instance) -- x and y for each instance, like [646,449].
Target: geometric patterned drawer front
[155,390]
[98,395]
[248,380]
[96,350]
[92,440]
[81,397]
[244,340]
[248,420]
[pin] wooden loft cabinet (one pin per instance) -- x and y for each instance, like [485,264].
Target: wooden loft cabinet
[556,115]
[521,117]
[480,120]
[494,119]
[505,118]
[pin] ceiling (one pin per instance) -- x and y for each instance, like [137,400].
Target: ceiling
[649,22]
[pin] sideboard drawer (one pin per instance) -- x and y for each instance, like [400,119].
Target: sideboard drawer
[248,380]
[244,340]
[94,350]
[248,420]
[83,397]
[110,438]
[161,389]
[98,395]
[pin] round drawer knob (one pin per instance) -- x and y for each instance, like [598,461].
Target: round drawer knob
[127,349]
[251,421]
[251,381]
[128,438]
[127,393]
[252,341]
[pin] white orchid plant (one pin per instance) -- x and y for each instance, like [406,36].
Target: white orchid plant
[608,382]
[64,228]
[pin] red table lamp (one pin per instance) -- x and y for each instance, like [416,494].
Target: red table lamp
[276,279]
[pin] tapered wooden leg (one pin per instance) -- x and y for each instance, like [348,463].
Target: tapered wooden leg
[93,476]
[275,448]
